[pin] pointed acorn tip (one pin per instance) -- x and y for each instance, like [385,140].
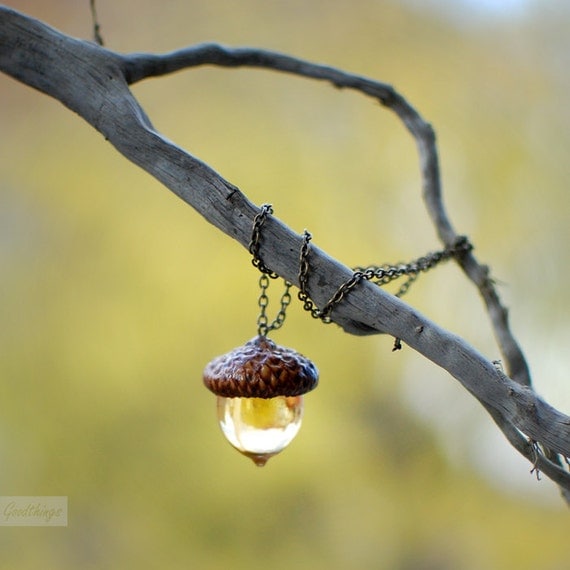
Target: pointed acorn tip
[260,459]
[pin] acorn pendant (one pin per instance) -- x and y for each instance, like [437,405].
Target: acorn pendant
[260,388]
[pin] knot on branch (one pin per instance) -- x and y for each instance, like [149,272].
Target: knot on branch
[460,247]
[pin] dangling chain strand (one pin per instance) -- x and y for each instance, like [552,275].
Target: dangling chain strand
[263,325]
[381,275]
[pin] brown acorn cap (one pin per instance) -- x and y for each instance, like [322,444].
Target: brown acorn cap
[260,369]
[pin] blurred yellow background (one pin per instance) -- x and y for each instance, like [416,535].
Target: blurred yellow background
[114,294]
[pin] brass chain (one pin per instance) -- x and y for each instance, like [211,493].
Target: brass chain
[263,324]
[258,221]
[303,296]
[379,274]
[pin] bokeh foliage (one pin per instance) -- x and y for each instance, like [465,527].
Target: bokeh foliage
[114,294]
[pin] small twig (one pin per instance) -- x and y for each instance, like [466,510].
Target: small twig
[96,27]
[537,456]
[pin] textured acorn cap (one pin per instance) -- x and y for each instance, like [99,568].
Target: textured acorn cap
[260,369]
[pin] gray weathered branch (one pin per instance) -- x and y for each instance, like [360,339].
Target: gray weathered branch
[94,82]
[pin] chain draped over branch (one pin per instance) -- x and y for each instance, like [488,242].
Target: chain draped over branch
[94,82]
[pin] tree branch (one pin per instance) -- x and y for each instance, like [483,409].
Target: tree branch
[141,66]
[94,82]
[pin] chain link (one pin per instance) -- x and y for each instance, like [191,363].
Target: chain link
[381,275]
[258,221]
[302,295]
[263,324]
